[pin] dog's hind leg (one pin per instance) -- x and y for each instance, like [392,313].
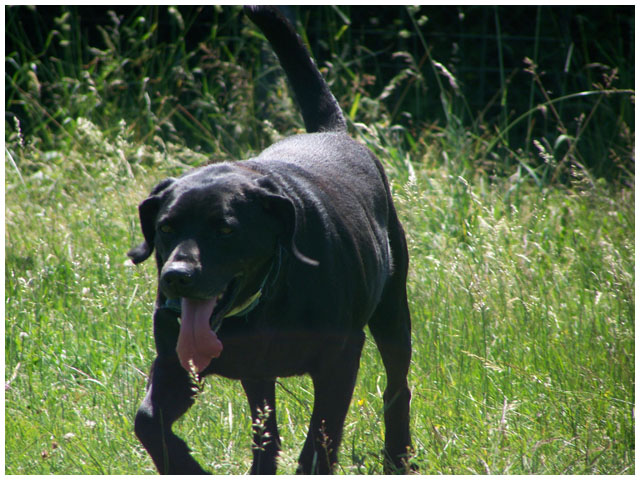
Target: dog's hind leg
[333,387]
[169,395]
[391,329]
[266,439]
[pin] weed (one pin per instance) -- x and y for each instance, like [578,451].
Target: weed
[261,436]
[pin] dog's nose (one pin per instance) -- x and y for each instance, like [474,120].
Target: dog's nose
[177,276]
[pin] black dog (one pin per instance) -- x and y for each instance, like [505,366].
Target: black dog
[274,265]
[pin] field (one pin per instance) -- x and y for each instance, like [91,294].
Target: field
[521,283]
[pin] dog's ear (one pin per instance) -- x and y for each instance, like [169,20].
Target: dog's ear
[148,211]
[282,207]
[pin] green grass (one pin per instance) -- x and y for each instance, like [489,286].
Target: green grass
[521,291]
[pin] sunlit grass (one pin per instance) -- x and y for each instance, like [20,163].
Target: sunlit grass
[522,316]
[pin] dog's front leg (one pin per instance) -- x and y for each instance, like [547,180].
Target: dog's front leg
[266,439]
[333,387]
[169,395]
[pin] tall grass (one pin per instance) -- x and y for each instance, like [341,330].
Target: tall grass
[522,262]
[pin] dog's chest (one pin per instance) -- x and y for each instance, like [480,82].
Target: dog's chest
[271,354]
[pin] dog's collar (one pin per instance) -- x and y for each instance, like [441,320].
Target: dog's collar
[246,307]
[174,304]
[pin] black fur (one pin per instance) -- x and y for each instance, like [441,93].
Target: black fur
[310,225]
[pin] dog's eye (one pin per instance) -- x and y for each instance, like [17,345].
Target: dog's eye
[166,228]
[226,230]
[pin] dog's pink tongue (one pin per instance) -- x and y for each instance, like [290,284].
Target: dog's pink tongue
[196,341]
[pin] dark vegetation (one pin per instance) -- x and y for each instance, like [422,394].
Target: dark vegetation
[506,75]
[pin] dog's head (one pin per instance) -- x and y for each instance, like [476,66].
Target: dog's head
[214,225]
[216,232]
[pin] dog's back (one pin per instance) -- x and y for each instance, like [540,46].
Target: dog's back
[341,194]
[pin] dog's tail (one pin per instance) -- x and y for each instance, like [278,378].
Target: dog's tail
[320,109]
